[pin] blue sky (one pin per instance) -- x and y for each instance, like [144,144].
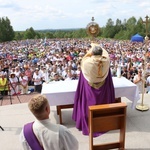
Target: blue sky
[61,14]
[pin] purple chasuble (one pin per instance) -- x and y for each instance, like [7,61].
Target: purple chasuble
[87,96]
[31,138]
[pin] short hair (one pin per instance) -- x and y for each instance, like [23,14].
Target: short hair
[97,50]
[37,105]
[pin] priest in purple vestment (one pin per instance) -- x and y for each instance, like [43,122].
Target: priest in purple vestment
[95,85]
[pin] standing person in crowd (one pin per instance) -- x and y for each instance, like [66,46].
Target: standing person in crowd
[23,80]
[17,72]
[129,64]
[3,84]
[48,136]
[124,72]
[13,84]
[29,74]
[133,71]
[37,79]
[45,74]
[138,80]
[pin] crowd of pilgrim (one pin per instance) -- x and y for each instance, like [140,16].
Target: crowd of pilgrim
[33,62]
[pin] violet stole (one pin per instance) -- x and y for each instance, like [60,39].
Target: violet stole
[31,138]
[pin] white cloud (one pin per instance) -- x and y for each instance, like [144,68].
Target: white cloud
[69,14]
[144,3]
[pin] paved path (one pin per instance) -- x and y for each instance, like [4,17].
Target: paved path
[13,117]
[17,99]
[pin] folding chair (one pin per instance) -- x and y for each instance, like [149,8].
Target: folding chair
[107,117]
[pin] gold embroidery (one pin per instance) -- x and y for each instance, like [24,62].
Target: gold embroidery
[100,66]
[96,85]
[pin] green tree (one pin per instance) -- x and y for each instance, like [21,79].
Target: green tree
[130,26]
[68,35]
[59,34]
[18,35]
[81,33]
[109,31]
[118,26]
[6,30]
[121,35]
[140,27]
[49,35]
[29,33]
[38,35]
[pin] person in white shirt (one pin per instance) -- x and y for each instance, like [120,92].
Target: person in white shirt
[78,72]
[50,136]
[37,79]
[23,80]
[69,76]
[17,72]
[64,72]
[138,80]
[13,83]
[45,74]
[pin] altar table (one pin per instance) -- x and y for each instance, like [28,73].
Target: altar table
[63,92]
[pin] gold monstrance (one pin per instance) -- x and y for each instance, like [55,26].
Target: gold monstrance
[92,28]
[141,106]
